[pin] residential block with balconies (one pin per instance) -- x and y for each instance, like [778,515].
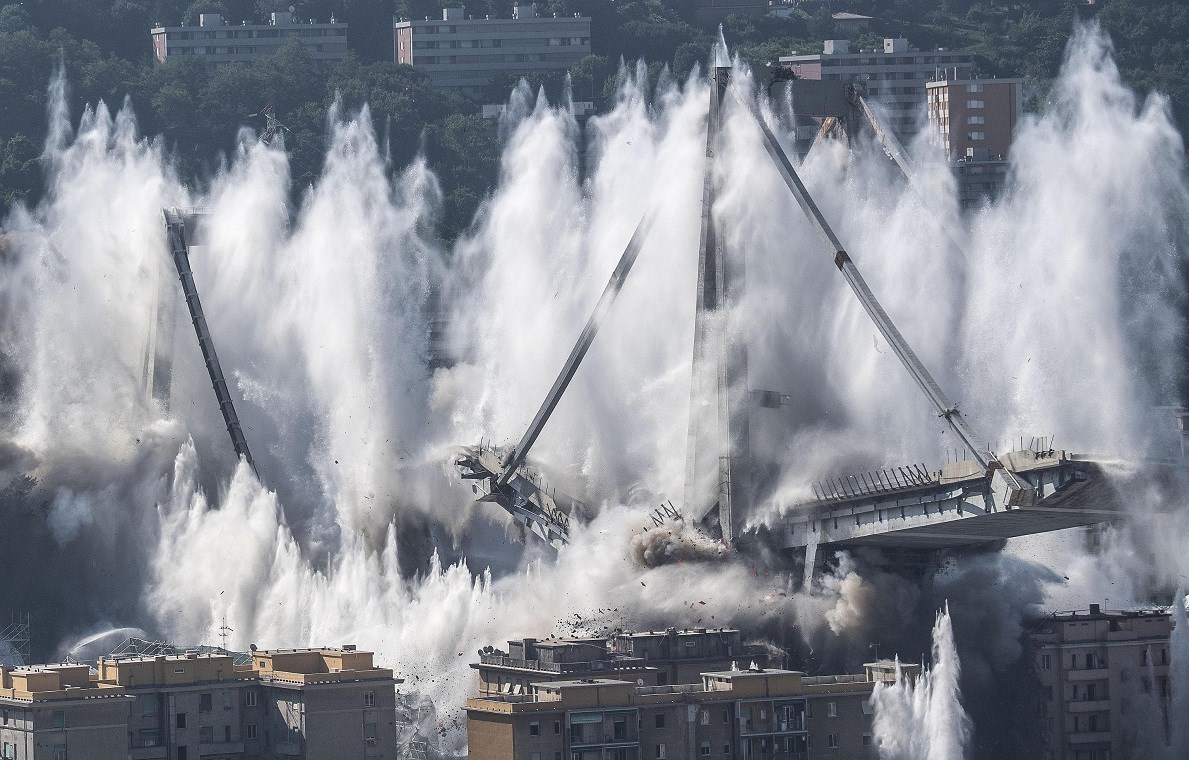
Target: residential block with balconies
[1097,670]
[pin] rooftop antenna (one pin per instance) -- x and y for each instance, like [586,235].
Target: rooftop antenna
[225,629]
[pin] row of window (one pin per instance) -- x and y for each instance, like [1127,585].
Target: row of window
[247,34]
[1093,660]
[886,60]
[513,26]
[252,50]
[496,58]
[420,44]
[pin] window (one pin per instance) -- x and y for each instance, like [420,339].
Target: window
[369,699]
[227,700]
[705,749]
[8,751]
[832,740]
[978,136]
[250,731]
[181,720]
[59,752]
[866,740]
[206,734]
[226,733]
[976,120]
[250,698]
[369,730]
[204,703]
[660,722]
[59,719]
[535,756]
[556,727]
[726,749]
[660,752]
[4,718]
[832,710]
[1073,662]
[183,752]
[1046,662]
[705,717]
[726,716]
[974,89]
[149,737]
[534,729]
[974,104]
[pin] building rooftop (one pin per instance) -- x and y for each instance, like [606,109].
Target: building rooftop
[293,666]
[44,683]
[1097,613]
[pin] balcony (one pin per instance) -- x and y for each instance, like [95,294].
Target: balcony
[1095,737]
[1098,705]
[1090,674]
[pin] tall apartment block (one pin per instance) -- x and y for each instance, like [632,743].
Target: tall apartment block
[463,53]
[746,714]
[974,119]
[649,658]
[894,76]
[1098,670]
[297,703]
[221,43]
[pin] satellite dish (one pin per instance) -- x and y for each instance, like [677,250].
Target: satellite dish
[252,647]
[639,681]
[292,9]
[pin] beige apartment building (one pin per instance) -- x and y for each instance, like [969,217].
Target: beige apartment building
[288,703]
[745,714]
[58,712]
[647,658]
[1097,669]
[298,703]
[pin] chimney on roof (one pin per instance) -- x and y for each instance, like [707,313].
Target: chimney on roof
[1095,609]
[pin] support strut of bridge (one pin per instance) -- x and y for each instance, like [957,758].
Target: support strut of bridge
[178,230]
[717,477]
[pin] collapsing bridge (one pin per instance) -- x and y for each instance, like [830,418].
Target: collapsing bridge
[974,502]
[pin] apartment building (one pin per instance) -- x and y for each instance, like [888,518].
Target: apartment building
[57,712]
[650,658]
[975,120]
[753,713]
[973,114]
[468,54]
[1098,672]
[221,43]
[301,703]
[895,76]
